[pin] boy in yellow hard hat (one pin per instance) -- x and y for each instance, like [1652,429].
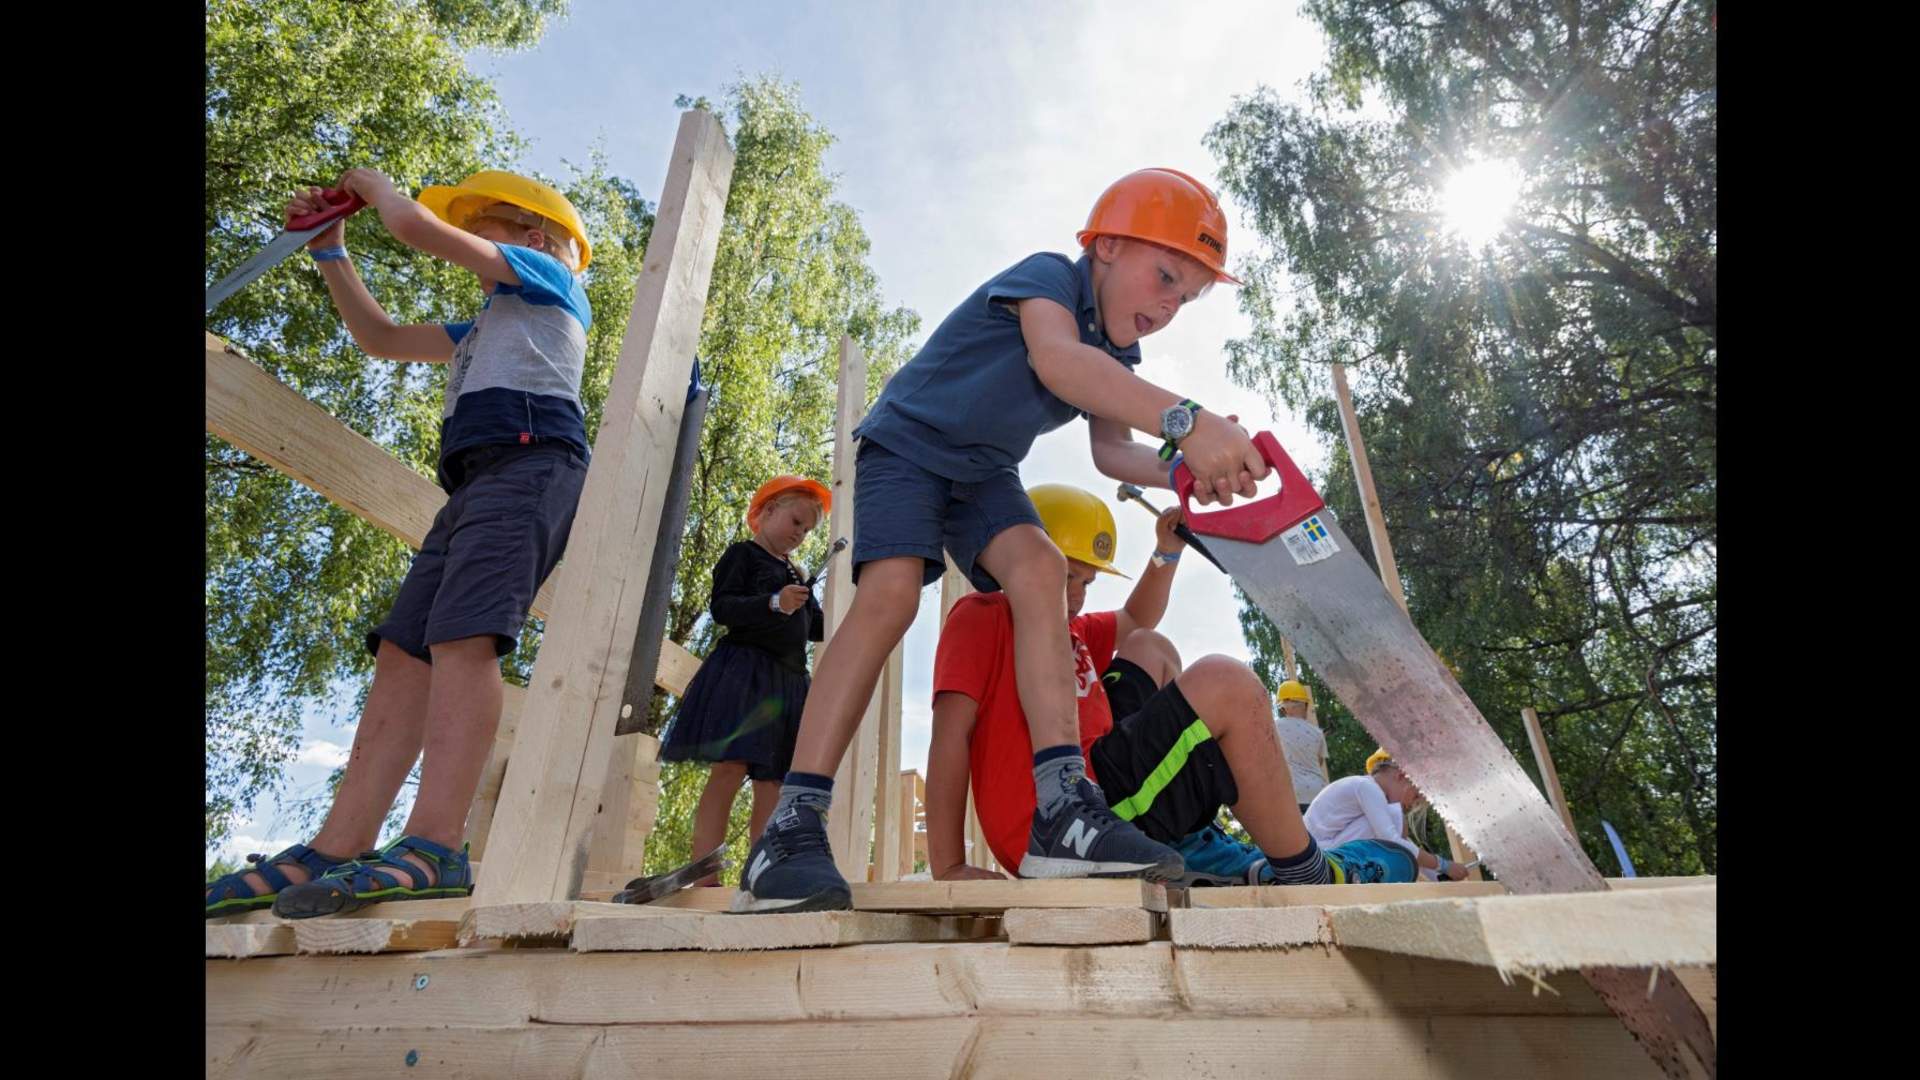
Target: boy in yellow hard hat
[1046,341]
[1302,740]
[1169,746]
[513,457]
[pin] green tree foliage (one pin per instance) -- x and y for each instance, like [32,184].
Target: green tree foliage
[1541,414]
[790,278]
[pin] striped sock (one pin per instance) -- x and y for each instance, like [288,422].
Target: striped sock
[1308,867]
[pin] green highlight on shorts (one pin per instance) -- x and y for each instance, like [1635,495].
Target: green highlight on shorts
[1138,803]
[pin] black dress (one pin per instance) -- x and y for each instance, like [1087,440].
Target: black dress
[744,703]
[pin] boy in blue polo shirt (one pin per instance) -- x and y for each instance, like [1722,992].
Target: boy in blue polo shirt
[513,457]
[1043,342]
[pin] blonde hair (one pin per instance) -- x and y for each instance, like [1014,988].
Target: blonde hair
[794,495]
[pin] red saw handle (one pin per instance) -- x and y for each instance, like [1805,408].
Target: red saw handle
[1256,522]
[340,204]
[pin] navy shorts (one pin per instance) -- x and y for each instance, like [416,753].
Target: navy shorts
[905,510]
[497,538]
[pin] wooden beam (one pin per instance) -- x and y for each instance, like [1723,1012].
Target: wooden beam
[243,940]
[489,988]
[374,935]
[273,423]
[1249,928]
[629,797]
[1236,896]
[730,933]
[1383,551]
[888,819]
[1549,776]
[1080,926]
[1550,932]
[966,896]
[550,802]
[487,795]
[908,813]
[850,819]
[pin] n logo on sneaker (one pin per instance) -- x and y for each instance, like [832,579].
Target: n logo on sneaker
[1079,837]
[760,864]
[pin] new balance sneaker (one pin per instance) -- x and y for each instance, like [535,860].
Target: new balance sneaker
[1214,858]
[1086,839]
[791,868]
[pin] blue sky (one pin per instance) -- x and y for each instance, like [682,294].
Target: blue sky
[969,135]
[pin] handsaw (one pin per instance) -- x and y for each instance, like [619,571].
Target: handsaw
[299,230]
[1290,557]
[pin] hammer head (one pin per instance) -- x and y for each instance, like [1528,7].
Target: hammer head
[1130,491]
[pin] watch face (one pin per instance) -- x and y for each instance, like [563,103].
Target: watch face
[1176,422]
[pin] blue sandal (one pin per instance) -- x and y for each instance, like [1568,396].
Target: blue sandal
[377,877]
[229,894]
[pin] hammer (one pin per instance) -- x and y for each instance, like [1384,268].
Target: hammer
[1129,491]
[820,572]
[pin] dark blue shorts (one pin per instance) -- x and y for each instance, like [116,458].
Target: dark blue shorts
[497,538]
[902,509]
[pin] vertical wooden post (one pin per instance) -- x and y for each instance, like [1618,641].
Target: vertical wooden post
[850,821]
[1286,659]
[1382,547]
[1549,776]
[903,855]
[550,802]
[886,794]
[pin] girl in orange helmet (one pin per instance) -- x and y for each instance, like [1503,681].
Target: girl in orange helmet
[742,709]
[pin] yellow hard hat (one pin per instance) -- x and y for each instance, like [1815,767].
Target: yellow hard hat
[461,203]
[1292,690]
[1079,523]
[1377,759]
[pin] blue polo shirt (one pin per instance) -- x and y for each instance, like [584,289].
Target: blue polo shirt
[969,405]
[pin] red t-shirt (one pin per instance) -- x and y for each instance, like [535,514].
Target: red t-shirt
[975,658]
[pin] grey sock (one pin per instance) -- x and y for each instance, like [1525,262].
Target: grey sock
[1054,781]
[800,789]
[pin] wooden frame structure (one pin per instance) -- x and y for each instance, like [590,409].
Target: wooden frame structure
[978,978]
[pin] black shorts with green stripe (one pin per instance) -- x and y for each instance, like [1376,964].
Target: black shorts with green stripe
[1159,767]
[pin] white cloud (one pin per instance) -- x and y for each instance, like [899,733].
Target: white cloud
[320,752]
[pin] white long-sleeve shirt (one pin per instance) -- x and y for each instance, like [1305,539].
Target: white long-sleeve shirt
[1354,808]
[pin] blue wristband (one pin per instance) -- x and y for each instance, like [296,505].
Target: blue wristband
[327,254]
[1166,556]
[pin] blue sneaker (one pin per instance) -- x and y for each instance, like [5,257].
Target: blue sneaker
[791,868]
[1214,858]
[1086,839]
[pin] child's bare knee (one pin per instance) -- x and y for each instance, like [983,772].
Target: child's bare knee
[1039,571]
[728,772]
[1153,652]
[1229,688]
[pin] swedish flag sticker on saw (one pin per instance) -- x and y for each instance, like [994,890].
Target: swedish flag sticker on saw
[1309,541]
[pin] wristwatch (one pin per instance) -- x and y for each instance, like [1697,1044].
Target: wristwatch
[1176,423]
[773,604]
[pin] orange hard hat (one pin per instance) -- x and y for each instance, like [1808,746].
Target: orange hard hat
[779,486]
[1165,207]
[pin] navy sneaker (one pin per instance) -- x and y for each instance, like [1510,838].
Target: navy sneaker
[1086,839]
[1214,858]
[791,868]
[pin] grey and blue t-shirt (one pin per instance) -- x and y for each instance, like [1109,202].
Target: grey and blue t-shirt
[969,405]
[515,375]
